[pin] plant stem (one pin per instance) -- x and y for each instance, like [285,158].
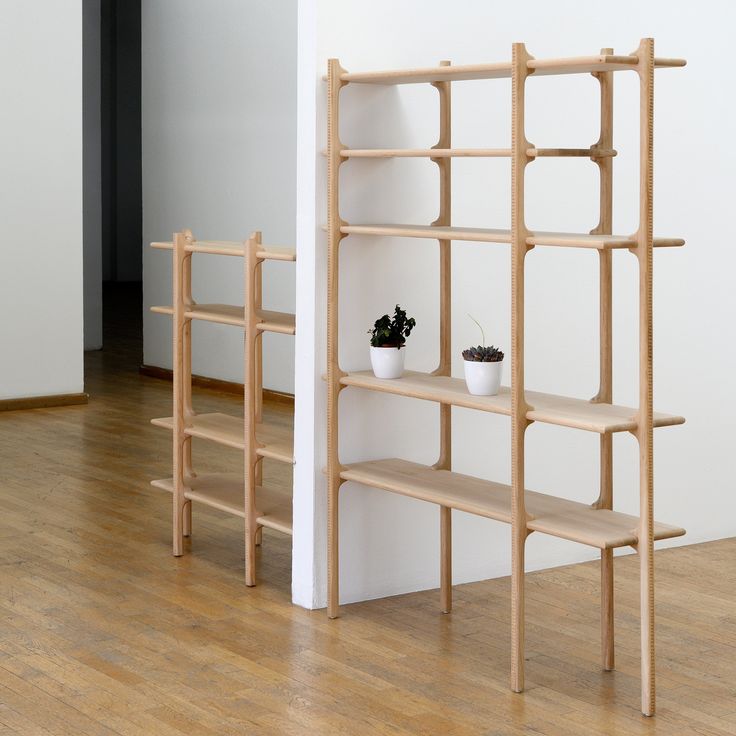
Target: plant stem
[482,334]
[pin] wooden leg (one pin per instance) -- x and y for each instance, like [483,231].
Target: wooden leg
[605,501]
[250,556]
[187,521]
[259,536]
[607,644]
[178,527]
[647,630]
[446,559]
[517,610]
[333,571]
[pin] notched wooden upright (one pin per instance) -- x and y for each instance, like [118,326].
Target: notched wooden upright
[595,524]
[444,219]
[645,417]
[519,407]
[605,387]
[243,494]
[334,374]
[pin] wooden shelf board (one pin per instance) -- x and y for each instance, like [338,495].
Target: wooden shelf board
[431,74]
[492,235]
[474,152]
[558,517]
[572,152]
[277,440]
[232,248]
[225,492]
[503,70]
[226,314]
[426,153]
[592,64]
[547,408]
[280,322]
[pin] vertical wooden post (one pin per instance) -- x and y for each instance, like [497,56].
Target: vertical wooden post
[519,407]
[187,390]
[645,423]
[334,374]
[605,390]
[251,403]
[258,305]
[182,388]
[445,362]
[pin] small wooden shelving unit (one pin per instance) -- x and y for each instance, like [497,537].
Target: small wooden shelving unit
[597,525]
[241,495]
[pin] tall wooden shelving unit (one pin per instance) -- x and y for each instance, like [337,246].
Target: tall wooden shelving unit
[597,525]
[241,495]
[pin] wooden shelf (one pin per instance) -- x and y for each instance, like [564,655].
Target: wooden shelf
[599,527]
[474,152]
[593,64]
[225,492]
[231,248]
[277,440]
[225,314]
[547,408]
[425,152]
[558,517]
[490,235]
[538,67]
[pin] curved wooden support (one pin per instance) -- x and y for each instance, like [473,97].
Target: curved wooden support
[519,407]
[645,418]
[605,389]
[334,236]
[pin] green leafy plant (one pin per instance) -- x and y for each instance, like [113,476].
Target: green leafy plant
[482,353]
[391,332]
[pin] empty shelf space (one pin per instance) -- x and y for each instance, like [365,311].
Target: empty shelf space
[231,248]
[226,314]
[558,517]
[225,492]
[546,408]
[277,440]
[491,235]
[503,70]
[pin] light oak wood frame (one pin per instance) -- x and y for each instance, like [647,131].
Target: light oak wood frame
[444,368]
[420,482]
[645,419]
[182,389]
[520,158]
[334,374]
[335,158]
[605,387]
[219,491]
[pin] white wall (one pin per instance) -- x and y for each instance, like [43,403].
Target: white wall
[41,198]
[695,301]
[219,139]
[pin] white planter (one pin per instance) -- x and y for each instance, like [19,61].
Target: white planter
[387,362]
[483,379]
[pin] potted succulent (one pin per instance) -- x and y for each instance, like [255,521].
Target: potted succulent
[483,367]
[388,336]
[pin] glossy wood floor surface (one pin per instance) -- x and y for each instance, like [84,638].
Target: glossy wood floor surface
[102,631]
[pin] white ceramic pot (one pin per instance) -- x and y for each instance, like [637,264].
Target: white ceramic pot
[483,379]
[387,362]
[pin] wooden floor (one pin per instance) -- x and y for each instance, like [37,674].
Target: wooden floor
[102,631]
